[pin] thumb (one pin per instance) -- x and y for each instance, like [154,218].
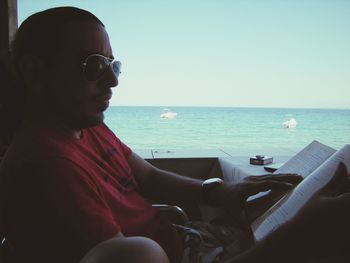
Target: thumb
[339,178]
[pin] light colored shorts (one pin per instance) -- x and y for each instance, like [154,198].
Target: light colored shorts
[210,243]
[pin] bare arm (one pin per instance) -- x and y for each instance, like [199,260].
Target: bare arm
[164,186]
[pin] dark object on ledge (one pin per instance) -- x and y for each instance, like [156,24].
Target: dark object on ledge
[260,160]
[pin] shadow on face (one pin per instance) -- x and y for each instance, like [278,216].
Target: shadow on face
[69,96]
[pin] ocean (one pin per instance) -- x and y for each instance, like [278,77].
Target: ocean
[228,128]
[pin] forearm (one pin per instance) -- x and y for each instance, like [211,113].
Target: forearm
[172,188]
[163,186]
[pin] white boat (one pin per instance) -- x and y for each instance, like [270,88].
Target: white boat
[291,123]
[168,114]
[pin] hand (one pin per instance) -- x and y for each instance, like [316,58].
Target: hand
[234,195]
[322,227]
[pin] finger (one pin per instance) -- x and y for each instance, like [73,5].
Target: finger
[289,178]
[258,177]
[339,200]
[345,197]
[265,185]
[340,178]
[270,176]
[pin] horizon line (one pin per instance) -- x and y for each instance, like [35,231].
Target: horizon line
[211,106]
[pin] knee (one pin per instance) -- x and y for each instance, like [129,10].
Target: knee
[131,250]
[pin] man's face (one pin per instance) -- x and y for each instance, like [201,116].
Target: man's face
[73,99]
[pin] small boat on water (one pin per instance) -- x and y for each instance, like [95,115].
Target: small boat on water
[168,114]
[291,123]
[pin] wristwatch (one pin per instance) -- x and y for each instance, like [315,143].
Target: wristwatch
[207,186]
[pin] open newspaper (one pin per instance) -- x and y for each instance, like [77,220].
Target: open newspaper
[316,163]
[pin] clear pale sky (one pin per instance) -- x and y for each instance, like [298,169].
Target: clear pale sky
[229,53]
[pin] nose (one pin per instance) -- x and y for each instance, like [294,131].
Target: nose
[110,78]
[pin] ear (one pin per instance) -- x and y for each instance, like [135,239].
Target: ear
[32,69]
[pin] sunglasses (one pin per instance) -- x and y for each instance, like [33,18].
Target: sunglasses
[95,65]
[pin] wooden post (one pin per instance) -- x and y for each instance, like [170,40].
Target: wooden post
[8,22]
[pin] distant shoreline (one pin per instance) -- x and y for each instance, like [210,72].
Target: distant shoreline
[228,107]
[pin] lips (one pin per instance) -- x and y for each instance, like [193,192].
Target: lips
[103,101]
[105,97]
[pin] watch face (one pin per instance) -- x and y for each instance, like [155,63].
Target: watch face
[207,186]
[214,181]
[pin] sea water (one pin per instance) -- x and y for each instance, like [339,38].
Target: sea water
[228,128]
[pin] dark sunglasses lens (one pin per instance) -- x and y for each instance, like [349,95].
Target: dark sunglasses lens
[95,67]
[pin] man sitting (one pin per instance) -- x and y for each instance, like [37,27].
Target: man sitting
[67,182]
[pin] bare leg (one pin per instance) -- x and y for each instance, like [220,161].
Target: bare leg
[131,250]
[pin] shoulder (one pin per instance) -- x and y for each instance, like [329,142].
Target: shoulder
[37,152]
[36,147]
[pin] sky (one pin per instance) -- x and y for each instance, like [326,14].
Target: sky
[225,53]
